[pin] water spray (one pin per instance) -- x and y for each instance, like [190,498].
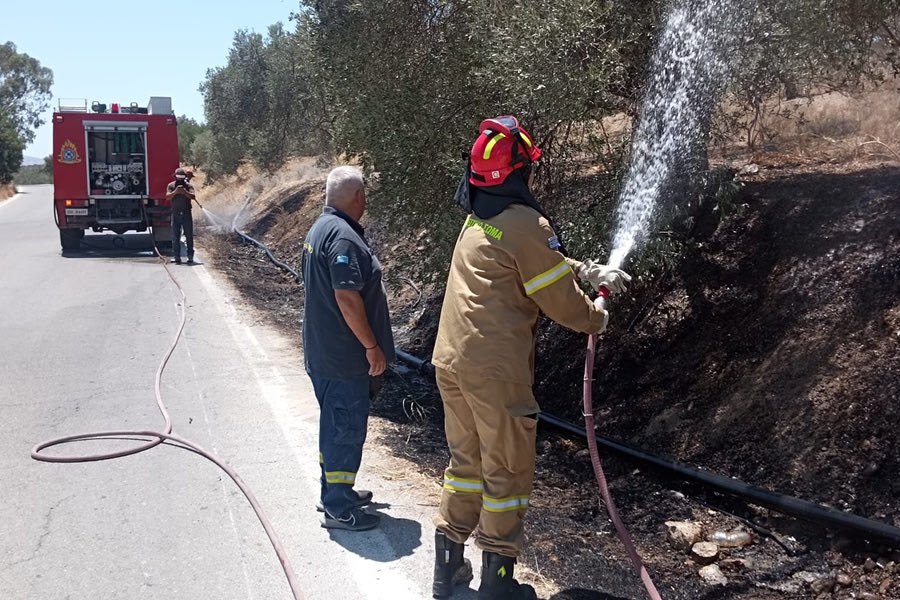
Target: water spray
[686,75]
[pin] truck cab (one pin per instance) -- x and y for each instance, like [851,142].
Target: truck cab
[111,166]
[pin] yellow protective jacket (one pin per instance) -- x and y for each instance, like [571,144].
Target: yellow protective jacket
[505,270]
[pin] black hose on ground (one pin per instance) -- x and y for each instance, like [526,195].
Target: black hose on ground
[802,509]
[422,366]
[269,254]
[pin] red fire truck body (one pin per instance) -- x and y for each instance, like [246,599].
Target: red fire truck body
[111,168]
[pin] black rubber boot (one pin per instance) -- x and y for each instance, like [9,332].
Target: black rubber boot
[497,581]
[450,568]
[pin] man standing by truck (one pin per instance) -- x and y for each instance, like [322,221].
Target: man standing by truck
[180,193]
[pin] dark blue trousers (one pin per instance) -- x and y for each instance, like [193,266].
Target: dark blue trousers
[182,221]
[343,418]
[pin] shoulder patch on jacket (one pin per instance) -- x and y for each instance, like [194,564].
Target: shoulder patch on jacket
[553,242]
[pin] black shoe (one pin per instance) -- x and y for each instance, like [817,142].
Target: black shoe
[450,568]
[497,581]
[190,261]
[363,497]
[355,520]
[177,261]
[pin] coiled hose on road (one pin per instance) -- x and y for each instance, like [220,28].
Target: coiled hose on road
[167,435]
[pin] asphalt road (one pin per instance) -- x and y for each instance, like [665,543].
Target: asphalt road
[82,335]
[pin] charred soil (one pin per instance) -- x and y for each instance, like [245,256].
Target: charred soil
[769,351]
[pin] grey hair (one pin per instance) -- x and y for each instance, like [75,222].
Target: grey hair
[342,183]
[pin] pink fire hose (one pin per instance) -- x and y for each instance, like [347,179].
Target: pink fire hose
[589,427]
[166,435]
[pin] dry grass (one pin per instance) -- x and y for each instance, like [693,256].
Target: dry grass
[826,128]
[865,126]
[226,198]
[831,127]
[7,191]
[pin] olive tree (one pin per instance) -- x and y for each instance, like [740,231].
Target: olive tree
[24,96]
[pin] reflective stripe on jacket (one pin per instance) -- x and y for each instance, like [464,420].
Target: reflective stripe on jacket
[505,270]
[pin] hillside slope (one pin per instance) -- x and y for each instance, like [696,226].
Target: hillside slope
[772,352]
[769,352]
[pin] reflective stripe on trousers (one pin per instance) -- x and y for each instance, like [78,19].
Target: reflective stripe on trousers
[343,419]
[491,428]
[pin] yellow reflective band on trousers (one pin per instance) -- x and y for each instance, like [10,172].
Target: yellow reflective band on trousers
[546,278]
[463,485]
[505,504]
[491,143]
[340,477]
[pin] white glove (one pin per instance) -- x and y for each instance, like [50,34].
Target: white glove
[603,276]
[599,304]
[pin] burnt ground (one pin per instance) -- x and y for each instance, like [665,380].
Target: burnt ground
[769,352]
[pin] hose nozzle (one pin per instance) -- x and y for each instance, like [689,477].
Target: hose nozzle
[602,296]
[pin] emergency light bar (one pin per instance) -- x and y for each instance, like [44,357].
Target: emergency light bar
[158,105]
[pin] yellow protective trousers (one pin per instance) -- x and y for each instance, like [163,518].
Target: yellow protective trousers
[491,428]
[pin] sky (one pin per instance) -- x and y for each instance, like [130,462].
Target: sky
[121,52]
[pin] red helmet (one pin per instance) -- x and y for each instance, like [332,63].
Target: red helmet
[501,148]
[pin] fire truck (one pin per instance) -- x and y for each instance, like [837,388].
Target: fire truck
[111,166]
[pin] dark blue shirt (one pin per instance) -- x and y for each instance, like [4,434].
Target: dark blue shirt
[336,256]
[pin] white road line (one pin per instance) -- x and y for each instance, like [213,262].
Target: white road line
[380,581]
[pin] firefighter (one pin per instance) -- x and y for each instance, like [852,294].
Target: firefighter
[347,343]
[180,193]
[507,266]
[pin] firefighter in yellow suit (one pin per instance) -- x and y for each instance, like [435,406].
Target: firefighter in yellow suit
[506,268]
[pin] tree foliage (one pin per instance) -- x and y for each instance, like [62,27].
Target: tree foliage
[266,103]
[24,90]
[798,48]
[188,130]
[24,95]
[401,85]
[411,81]
[11,147]
[35,174]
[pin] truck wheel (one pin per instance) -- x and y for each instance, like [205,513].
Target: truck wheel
[70,239]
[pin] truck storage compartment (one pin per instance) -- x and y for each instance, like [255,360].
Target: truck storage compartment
[118,210]
[117,159]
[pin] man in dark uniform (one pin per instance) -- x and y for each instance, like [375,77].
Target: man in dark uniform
[180,193]
[347,341]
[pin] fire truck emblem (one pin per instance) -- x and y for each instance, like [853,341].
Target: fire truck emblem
[68,154]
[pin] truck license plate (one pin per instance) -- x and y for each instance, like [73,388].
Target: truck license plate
[77,212]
